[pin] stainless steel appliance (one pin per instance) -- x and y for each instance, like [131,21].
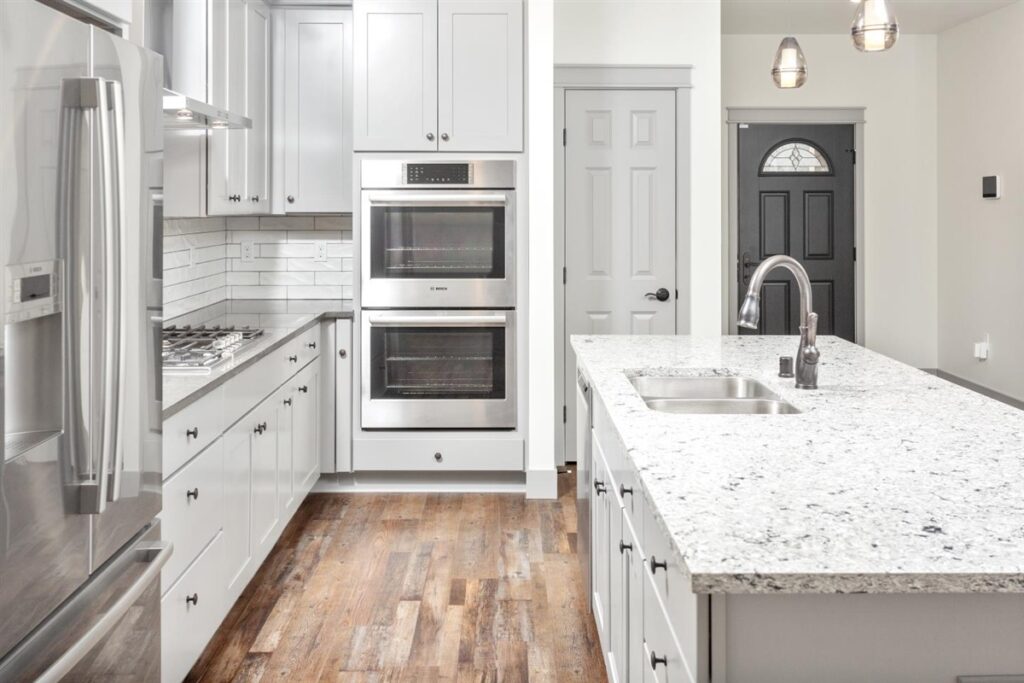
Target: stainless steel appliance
[438,369]
[80,476]
[200,349]
[438,234]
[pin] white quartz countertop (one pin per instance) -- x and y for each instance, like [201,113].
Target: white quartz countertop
[889,480]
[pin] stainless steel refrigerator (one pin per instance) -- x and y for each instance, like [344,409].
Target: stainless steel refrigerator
[80,241]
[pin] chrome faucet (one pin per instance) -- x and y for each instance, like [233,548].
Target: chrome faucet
[750,314]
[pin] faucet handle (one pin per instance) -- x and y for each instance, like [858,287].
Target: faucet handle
[786,366]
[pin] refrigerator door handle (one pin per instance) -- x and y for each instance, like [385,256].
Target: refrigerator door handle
[158,554]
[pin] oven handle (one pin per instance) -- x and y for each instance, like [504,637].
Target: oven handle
[385,320]
[443,199]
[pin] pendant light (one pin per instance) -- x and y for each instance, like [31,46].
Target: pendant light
[789,70]
[874,28]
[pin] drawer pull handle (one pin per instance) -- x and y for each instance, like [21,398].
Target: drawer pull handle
[287,401]
[311,345]
[624,490]
[192,599]
[260,428]
[655,565]
[194,493]
[656,660]
[194,433]
[293,359]
[623,547]
[304,389]
[438,457]
[599,487]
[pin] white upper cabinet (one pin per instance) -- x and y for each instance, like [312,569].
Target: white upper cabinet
[396,75]
[439,75]
[314,135]
[257,96]
[480,75]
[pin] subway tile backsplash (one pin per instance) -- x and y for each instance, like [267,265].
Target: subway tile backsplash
[207,260]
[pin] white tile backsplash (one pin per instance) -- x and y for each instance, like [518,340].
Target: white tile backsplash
[203,264]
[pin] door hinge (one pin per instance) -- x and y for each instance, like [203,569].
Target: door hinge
[677,293]
[564,134]
[564,276]
[565,414]
[855,253]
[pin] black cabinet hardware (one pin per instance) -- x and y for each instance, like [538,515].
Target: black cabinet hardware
[655,565]
[623,546]
[600,487]
[287,401]
[625,490]
[311,345]
[192,599]
[656,660]
[293,359]
[194,433]
[304,389]
[342,353]
[193,494]
[438,457]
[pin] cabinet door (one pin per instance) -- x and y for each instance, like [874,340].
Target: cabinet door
[228,80]
[634,609]
[237,505]
[257,94]
[617,658]
[305,429]
[600,545]
[396,75]
[342,397]
[265,513]
[480,75]
[285,435]
[318,111]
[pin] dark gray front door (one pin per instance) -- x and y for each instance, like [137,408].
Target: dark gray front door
[796,197]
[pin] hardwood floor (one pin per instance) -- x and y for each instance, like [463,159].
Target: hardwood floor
[415,587]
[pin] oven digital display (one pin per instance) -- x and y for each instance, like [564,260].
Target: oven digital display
[35,287]
[437,174]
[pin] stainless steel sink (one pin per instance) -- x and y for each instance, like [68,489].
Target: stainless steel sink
[722,406]
[710,396]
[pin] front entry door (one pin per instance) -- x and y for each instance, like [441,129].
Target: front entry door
[796,197]
[620,219]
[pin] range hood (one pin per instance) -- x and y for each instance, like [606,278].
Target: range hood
[182,112]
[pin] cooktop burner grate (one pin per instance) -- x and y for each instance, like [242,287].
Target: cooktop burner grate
[199,349]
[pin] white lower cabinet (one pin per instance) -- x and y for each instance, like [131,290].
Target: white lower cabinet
[226,506]
[600,546]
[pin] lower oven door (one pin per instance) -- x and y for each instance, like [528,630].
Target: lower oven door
[438,370]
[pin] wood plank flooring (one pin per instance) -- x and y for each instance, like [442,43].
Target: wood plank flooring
[415,587]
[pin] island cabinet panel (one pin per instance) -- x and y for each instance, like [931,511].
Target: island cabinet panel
[600,544]
[915,638]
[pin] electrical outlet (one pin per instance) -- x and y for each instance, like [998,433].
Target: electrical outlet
[321,251]
[982,349]
[248,252]
[191,256]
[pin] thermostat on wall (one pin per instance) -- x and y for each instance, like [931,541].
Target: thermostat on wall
[990,187]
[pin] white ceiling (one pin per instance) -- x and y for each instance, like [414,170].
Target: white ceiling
[795,17]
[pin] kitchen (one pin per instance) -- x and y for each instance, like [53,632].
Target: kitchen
[437,399]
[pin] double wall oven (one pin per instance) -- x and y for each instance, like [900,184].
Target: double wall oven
[438,295]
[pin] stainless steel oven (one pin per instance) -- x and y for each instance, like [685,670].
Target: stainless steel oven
[438,235]
[438,369]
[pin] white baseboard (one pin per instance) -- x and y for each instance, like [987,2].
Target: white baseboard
[422,482]
[542,484]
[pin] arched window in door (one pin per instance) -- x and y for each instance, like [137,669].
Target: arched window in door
[796,157]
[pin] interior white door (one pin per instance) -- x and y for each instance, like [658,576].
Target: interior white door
[396,75]
[480,75]
[620,219]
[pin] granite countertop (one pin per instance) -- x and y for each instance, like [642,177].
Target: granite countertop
[891,480]
[280,320]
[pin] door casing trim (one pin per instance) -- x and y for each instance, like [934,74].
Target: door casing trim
[783,115]
[619,77]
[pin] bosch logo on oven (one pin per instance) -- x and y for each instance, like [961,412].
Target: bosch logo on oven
[437,288]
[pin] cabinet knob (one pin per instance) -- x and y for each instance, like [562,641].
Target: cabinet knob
[655,565]
[599,487]
[311,345]
[656,660]
[304,389]
[287,401]
[260,428]
[293,359]
[623,546]
[438,457]
[625,490]
[291,199]
[444,136]
[192,599]
[194,433]
[255,198]
[342,353]
[193,494]
[430,136]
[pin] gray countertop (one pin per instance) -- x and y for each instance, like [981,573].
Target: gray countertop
[891,480]
[280,320]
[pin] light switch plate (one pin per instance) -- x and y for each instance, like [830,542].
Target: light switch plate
[321,251]
[248,252]
[991,187]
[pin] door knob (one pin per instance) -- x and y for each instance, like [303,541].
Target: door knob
[661,295]
[746,268]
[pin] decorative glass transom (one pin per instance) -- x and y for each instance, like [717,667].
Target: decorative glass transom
[796,157]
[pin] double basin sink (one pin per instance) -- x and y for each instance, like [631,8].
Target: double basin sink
[710,396]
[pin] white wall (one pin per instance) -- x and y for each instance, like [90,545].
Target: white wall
[899,90]
[677,32]
[981,106]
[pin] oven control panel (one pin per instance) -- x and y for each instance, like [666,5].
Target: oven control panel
[438,174]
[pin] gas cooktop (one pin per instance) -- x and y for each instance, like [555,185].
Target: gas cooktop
[188,349]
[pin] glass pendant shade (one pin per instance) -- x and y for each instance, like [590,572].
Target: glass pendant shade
[874,28]
[789,70]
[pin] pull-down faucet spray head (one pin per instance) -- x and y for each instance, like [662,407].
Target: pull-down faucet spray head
[750,311]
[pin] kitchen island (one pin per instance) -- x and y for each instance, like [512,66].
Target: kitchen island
[876,534]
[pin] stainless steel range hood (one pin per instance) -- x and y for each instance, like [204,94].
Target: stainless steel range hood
[183,112]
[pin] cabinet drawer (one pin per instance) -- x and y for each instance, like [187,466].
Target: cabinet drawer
[192,513]
[444,455]
[190,613]
[307,346]
[193,429]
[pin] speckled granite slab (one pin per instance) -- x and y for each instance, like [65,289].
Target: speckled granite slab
[890,480]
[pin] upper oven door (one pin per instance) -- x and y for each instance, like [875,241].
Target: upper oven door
[438,249]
